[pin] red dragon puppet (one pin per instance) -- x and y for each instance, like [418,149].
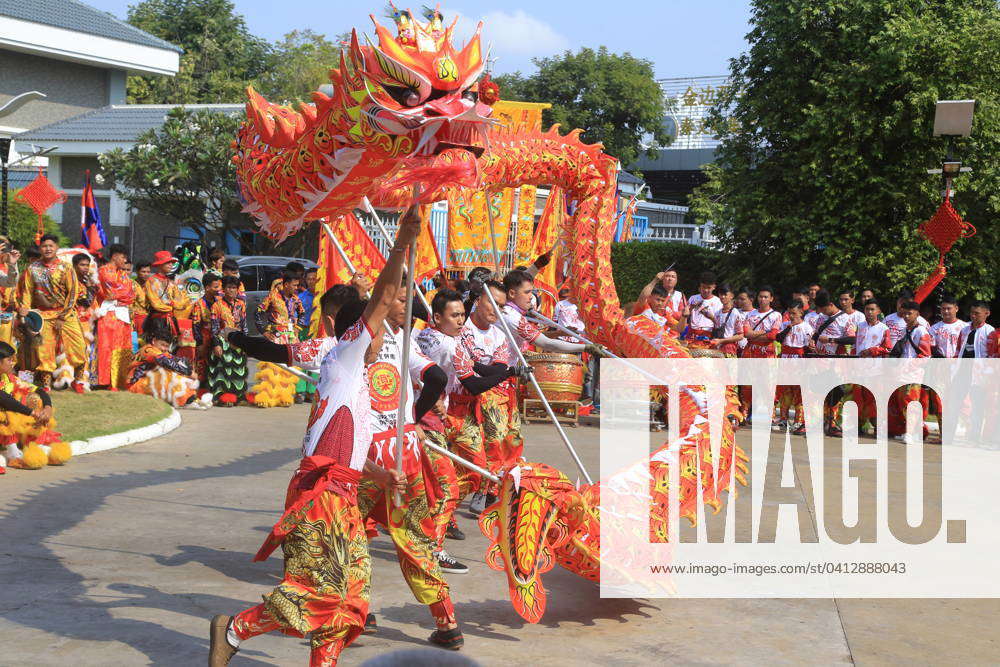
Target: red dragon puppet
[411,103]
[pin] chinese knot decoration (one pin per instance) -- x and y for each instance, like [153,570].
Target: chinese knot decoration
[40,194]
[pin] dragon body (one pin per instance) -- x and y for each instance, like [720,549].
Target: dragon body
[413,103]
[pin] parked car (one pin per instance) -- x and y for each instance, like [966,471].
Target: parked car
[258,272]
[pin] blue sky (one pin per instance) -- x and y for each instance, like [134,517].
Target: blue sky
[681,37]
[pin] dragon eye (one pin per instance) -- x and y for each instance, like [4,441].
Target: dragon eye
[405,96]
[471,95]
[411,99]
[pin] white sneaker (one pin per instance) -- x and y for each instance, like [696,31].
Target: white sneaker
[448,563]
[206,400]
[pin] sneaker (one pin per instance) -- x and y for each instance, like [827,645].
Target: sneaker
[77,387]
[299,398]
[454,532]
[799,430]
[779,426]
[448,563]
[478,503]
[447,639]
[371,626]
[491,500]
[220,651]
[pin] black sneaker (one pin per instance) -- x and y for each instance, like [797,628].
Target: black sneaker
[299,398]
[454,532]
[448,563]
[491,499]
[448,639]
[371,627]
[477,504]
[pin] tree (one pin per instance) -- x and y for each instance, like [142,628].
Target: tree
[220,55]
[613,97]
[23,224]
[300,65]
[827,135]
[184,171]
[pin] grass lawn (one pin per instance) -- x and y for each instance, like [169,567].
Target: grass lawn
[85,416]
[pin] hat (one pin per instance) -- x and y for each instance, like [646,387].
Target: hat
[162,257]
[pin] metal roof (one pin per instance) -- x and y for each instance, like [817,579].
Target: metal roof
[115,123]
[74,15]
[626,177]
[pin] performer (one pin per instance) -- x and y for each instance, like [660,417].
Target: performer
[116,295]
[278,315]
[897,322]
[658,312]
[231,268]
[157,373]
[327,567]
[482,412]
[227,365]
[50,287]
[168,303]
[9,274]
[675,301]
[140,305]
[761,327]
[438,343]
[201,322]
[915,343]
[26,421]
[946,332]
[871,341]
[729,332]
[795,340]
[974,340]
[703,309]
[86,300]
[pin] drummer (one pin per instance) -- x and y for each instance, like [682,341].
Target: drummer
[519,286]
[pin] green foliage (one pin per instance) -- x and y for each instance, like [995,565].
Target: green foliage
[824,176]
[182,170]
[23,224]
[635,263]
[613,97]
[301,62]
[220,55]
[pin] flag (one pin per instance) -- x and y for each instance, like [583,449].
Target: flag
[91,230]
[362,253]
[546,237]
[428,260]
[629,215]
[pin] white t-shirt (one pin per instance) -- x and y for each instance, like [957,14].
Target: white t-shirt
[919,335]
[897,325]
[384,381]
[440,348]
[979,345]
[946,336]
[871,336]
[568,315]
[758,322]
[854,320]
[340,422]
[476,345]
[700,320]
[836,329]
[731,322]
[656,318]
[524,331]
[798,336]
[309,354]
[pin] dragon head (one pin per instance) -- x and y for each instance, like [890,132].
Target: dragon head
[415,86]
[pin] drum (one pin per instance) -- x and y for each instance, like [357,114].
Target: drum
[559,375]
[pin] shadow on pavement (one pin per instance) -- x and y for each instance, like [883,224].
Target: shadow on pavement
[57,600]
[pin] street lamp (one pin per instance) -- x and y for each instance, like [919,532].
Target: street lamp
[952,119]
[10,107]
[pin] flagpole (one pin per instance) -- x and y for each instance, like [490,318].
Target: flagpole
[388,239]
[404,371]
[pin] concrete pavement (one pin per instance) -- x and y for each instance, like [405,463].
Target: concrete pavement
[120,558]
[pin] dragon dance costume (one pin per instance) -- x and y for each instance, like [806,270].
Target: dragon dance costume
[166,301]
[163,376]
[28,443]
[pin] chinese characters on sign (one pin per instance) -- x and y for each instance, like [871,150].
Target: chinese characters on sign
[689,101]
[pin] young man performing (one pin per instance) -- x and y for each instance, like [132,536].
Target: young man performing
[86,299]
[201,322]
[49,285]
[116,296]
[795,340]
[327,567]
[25,419]
[437,342]
[947,332]
[675,302]
[729,332]
[973,343]
[915,343]
[278,315]
[896,321]
[140,306]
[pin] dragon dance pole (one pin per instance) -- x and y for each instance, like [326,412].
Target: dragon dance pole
[569,332]
[531,376]
[427,443]
[388,239]
[493,237]
[404,372]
